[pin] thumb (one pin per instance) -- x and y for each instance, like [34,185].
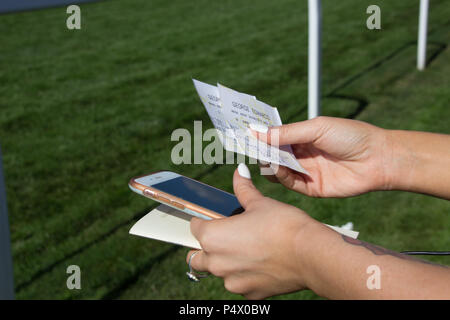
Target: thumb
[243,187]
[294,133]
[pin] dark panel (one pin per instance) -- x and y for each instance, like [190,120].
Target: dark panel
[6,269]
[22,5]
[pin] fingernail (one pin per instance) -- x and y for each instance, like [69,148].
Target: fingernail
[259,127]
[243,171]
[274,167]
[266,171]
[264,163]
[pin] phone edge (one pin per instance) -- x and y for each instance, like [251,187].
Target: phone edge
[201,212]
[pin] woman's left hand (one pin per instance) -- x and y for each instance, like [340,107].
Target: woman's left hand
[257,252]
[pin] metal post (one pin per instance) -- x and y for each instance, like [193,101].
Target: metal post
[6,269]
[314,57]
[422,38]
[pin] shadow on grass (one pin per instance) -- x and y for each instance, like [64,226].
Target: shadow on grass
[147,267]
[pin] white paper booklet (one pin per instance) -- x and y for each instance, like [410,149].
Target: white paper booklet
[166,224]
[231,112]
[170,225]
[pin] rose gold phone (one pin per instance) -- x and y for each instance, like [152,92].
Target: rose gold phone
[187,195]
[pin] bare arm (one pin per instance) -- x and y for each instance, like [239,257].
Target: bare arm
[419,162]
[339,267]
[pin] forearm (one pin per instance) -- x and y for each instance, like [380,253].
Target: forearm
[419,162]
[338,267]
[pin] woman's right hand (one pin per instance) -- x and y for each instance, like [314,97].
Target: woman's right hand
[344,157]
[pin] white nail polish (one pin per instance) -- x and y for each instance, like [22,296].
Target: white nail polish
[266,171]
[243,171]
[274,167]
[259,127]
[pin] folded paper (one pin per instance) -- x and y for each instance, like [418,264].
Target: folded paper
[170,225]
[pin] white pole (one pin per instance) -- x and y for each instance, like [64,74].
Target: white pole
[6,269]
[314,57]
[422,38]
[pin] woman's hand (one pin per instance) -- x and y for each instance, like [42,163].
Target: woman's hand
[344,157]
[273,248]
[253,251]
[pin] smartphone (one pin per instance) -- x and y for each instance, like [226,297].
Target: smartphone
[188,195]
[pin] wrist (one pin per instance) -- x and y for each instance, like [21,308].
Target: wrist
[387,161]
[308,241]
[398,161]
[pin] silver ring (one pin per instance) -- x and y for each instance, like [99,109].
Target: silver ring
[191,274]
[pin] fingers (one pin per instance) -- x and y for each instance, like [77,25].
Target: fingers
[243,187]
[267,172]
[290,179]
[203,231]
[295,133]
[284,176]
[199,228]
[199,261]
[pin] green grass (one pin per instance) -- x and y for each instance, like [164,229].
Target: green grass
[81,112]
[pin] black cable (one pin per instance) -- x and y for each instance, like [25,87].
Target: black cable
[427,253]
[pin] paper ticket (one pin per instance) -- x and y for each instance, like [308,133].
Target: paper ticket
[231,113]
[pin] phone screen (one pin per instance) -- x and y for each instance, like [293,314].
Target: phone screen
[201,194]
